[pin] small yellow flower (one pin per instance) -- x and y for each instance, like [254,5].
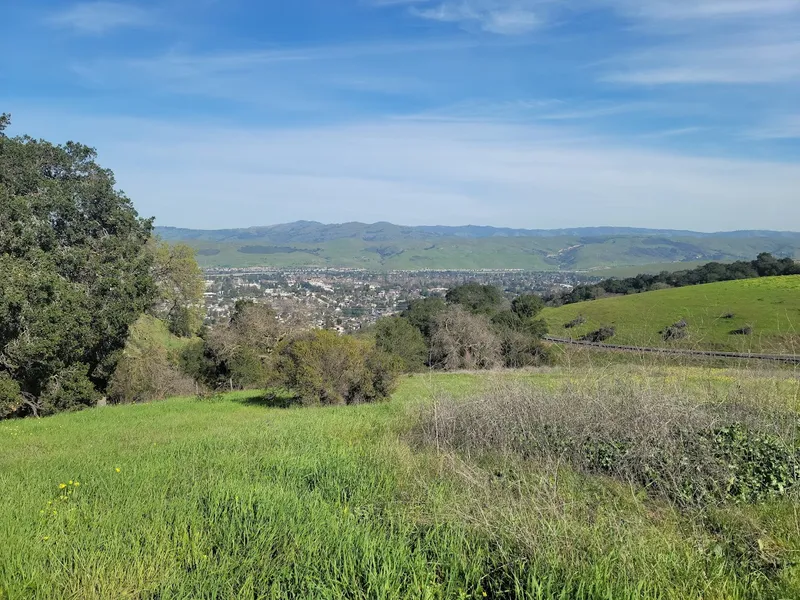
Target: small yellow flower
[61,486]
[117,469]
[70,482]
[45,538]
[77,483]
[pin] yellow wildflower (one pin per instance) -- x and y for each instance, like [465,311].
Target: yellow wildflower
[117,469]
[70,482]
[77,483]
[45,538]
[61,486]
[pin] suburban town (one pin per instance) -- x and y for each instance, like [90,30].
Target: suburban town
[348,300]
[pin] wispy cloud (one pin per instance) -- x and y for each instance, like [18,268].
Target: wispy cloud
[502,17]
[101,17]
[680,10]
[710,42]
[427,171]
[730,62]
[783,128]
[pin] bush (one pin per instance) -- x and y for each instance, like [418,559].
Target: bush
[746,330]
[462,340]
[241,354]
[422,314]
[576,322]
[527,306]
[521,350]
[601,335]
[71,389]
[676,331]
[322,367]
[147,375]
[692,454]
[397,336]
[10,396]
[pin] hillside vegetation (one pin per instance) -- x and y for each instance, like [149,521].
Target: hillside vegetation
[388,246]
[226,497]
[765,312]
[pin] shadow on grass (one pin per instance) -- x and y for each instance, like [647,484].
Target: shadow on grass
[275,398]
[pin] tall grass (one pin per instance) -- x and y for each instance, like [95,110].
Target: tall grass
[228,498]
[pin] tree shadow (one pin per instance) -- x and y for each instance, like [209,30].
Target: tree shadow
[281,398]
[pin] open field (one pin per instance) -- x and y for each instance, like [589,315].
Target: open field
[230,498]
[770,306]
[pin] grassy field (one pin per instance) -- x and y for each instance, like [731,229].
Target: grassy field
[631,254]
[770,306]
[231,498]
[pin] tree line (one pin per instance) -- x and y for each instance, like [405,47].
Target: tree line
[765,265]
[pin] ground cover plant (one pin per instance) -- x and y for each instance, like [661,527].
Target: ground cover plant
[715,315]
[226,497]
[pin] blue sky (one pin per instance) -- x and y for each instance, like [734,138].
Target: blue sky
[525,113]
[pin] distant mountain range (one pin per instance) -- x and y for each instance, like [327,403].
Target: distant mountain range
[389,246]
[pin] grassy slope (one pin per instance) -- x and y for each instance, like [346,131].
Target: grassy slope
[531,253]
[230,498]
[770,305]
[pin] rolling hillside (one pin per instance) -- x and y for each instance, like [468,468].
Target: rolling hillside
[770,306]
[386,246]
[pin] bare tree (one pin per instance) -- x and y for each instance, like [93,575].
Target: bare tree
[462,340]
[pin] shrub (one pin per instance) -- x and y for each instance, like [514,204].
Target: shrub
[527,306]
[746,330]
[397,336]
[241,353]
[10,396]
[322,367]
[576,322]
[521,350]
[422,314]
[692,454]
[601,335]
[70,389]
[145,373]
[676,331]
[462,340]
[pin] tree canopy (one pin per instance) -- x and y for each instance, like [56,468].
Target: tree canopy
[74,274]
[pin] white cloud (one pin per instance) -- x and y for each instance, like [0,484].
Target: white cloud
[702,9]
[429,171]
[502,17]
[783,128]
[732,61]
[101,17]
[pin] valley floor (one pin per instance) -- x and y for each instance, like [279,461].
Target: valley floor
[233,498]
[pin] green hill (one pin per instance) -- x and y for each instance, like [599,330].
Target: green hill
[770,306]
[382,246]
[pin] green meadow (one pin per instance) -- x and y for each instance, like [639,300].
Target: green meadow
[770,306]
[230,497]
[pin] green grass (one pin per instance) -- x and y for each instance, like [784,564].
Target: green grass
[229,498]
[771,306]
[625,254]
